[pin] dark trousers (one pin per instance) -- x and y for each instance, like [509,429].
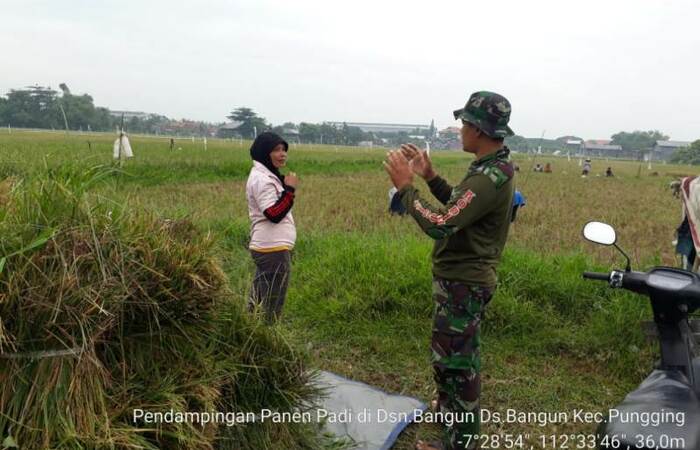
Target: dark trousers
[270,283]
[456,356]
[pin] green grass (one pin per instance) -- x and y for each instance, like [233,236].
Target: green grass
[154,163]
[362,304]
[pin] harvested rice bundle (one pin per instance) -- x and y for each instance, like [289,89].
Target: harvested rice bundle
[104,312]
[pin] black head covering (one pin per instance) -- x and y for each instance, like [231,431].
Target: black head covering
[263,146]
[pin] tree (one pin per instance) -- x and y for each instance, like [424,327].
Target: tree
[33,107]
[3,110]
[40,107]
[330,134]
[81,112]
[309,132]
[688,155]
[517,143]
[103,120]
[153,124]
[250,122]
[355,135]
[64,88]
[638,140]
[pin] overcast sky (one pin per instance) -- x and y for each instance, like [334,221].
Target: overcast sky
[588,68]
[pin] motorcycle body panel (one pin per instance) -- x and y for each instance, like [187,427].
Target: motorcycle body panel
[665,404]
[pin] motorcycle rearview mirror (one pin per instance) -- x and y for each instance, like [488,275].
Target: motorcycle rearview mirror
[604,234]
[600,233]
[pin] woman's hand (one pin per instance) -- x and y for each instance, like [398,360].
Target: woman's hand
[291,180]
[419,160]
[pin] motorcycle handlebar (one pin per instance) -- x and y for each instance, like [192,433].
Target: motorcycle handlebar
[686,291]
[596,276]
[632,281]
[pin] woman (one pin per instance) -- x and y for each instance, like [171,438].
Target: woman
[586,168]
[270,199]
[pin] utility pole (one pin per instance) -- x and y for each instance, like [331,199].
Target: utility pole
[65,120]
[121,144]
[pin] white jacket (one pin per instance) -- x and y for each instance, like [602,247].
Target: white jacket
[263,189]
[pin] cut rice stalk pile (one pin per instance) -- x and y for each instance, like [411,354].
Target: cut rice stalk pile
[104,312]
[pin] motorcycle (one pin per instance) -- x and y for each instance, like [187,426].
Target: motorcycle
[663,413]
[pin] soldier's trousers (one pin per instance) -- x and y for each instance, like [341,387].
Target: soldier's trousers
[455,356]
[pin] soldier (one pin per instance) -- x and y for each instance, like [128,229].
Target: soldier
[470,232]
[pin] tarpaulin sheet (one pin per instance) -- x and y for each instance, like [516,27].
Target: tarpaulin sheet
[371,418]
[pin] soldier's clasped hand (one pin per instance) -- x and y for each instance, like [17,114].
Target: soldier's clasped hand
[398,168]
[419,160]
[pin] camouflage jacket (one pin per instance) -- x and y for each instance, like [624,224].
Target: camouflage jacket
[471,227]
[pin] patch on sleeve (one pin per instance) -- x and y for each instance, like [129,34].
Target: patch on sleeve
[499,173]
[441,219]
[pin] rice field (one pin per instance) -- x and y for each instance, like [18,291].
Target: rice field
[191,180]
[359,300]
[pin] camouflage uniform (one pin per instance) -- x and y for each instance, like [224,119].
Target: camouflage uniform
[455,353]
[470,232]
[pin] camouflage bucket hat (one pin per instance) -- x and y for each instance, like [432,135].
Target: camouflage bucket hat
[488,111]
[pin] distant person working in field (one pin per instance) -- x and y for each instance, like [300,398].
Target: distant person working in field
[470,232]
[273,233]
[586,168]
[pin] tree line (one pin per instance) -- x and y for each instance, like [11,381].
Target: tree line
[46,108]
[43,107]
[249,123]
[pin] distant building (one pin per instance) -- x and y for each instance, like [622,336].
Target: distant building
[229,130]
[131,114]
[573,146]
[590,148]
[449,138]
[289,134]
[450,131]
[383,127]
[184,127]
[663,150]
